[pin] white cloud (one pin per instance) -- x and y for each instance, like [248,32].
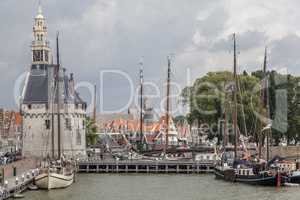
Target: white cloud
[257,24]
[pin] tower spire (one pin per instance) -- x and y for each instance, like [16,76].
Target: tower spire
[40,10]
[41,52]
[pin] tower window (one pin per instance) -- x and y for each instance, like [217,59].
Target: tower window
[34,55]
[47,123]
[78,137]
[68,124]
[46,56]
[37,55]
[42,55]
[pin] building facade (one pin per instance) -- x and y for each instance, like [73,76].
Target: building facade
[53,113]
[10,131]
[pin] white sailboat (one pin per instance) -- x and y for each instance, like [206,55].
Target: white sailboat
[60,173]
[54,180]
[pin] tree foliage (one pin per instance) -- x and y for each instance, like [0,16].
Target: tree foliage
[91,130]
[210,99]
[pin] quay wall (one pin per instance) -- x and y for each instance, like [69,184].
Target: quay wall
[19,167]
[287,151]
[140,166]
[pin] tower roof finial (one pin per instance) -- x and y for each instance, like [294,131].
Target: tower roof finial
[40,10]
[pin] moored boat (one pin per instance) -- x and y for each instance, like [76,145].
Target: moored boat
[58,172]
[294,177]
[248,176]
[225,172]
[289,169]
[263,178]
[54,180]
[247,168]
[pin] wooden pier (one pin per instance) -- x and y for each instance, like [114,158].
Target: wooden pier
[144,166]
[16,185]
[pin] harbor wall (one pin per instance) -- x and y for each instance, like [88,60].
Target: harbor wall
[287,151]
[19,167]
[144,166]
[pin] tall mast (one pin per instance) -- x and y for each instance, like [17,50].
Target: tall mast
[235,97]
[58,96]
[141,101]
[95,103]
[225,138]
[168,106]
[265,62]
[265,104]
[52,120]
[266,100]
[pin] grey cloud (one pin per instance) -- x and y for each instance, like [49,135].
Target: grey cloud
[89,44]
[214,23]
[252,39]
[101,34]
[245,41]
[285,53]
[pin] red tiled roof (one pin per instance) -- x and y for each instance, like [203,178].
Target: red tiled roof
[134,125]
[18,118]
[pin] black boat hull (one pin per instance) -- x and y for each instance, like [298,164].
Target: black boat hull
[228,175]
[294,179]
[259,180]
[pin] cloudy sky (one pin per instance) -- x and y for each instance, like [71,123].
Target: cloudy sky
[99,35]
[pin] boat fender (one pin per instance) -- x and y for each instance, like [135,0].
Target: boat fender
[278,179]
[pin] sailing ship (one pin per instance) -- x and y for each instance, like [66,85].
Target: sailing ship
[56,173]
[55,177]
[235,169]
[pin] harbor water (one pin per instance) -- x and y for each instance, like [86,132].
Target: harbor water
[161,187]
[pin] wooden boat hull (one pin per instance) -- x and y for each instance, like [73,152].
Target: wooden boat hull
[229,175]
[50,181]
[218,174]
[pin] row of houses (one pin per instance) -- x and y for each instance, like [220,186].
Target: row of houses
[127,126]
[10,130]
[125,129]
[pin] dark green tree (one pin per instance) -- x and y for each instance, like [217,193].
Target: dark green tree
[210,98]
[91,130]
